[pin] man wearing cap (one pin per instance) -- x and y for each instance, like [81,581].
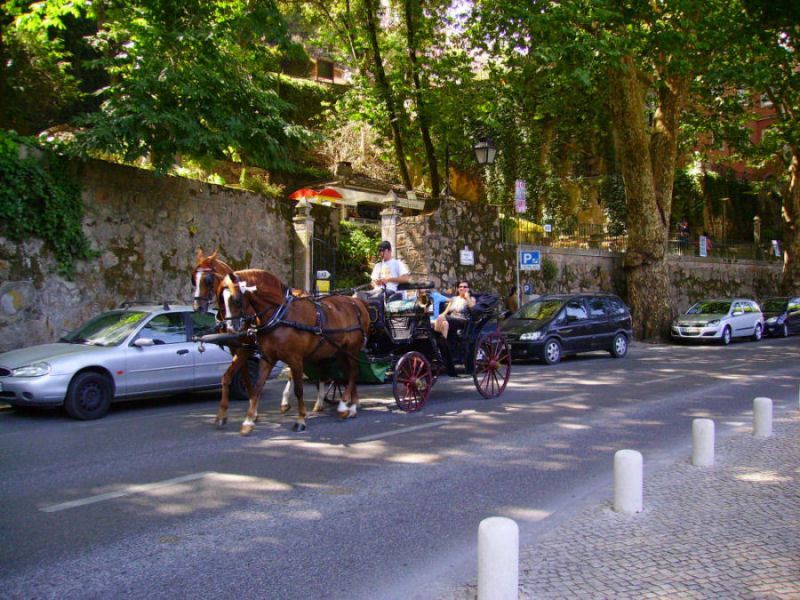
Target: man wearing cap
[388,272]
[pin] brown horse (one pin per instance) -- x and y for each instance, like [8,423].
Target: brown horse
[207,277]
[294,329]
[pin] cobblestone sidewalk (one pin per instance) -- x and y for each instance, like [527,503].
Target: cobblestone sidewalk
[727,531]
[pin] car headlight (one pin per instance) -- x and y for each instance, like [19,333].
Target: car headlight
[33,370]
[772,320]
[530,336]
[712,323]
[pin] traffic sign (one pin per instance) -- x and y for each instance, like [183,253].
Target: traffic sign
[323,275]
[530,260]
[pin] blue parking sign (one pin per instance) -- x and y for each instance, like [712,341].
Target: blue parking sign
[530,260]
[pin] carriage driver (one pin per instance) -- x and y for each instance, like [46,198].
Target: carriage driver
[388,272]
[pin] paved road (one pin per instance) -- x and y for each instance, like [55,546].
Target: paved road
[151,501]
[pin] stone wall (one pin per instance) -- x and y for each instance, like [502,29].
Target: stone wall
[430,245]
[693,278]
[145,230]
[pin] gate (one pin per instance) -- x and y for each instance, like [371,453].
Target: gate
[323,258]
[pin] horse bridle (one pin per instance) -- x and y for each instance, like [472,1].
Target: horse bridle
[208,279]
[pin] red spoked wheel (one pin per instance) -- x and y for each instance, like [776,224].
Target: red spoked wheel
[492,365]
[412,381]
[333,391]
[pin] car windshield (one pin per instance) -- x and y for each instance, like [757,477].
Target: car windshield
[774,305]
[108,329]
[710,308]
[539,310]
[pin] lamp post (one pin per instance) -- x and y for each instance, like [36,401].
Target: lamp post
[485,151]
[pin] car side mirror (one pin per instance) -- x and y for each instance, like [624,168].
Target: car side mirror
[143,342]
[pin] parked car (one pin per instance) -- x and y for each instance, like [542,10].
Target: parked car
[132,352]
[720,320]
[781,315]
[552,326]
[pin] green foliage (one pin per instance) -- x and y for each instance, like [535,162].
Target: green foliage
[612,193]
[259,185]
[39,199]
[549,272]
[358,247]
[192,77]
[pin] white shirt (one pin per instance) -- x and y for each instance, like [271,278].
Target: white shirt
[385,269]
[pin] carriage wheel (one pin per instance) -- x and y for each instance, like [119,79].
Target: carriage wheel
[333,391]
[492,365]
[412,381]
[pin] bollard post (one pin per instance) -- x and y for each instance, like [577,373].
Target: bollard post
[498,559]
[762,417]
[628,482]
[703,443]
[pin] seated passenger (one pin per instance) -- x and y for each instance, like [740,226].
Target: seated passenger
[457,311]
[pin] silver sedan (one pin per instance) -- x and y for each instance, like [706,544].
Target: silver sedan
[720,320]
[132,352]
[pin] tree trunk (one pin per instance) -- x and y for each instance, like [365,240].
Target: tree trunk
[648,281]
[791,230]
[422,109]
[386,93]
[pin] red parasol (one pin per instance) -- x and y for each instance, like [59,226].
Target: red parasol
[303,193]
[329,193]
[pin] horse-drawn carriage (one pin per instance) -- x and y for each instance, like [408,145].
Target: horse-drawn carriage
[375,335]
[403,348]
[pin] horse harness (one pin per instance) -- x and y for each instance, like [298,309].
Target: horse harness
[278,319]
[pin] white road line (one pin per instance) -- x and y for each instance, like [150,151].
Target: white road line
[130,490]
[377,436]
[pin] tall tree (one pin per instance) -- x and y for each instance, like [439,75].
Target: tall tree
[641,57]
[386,93]
[763,64]
[412,11]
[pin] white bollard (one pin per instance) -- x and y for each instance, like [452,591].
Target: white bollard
[762,417]
[498,559]
[703,443]
[628,482]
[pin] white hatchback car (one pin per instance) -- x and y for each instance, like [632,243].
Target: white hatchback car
[720,320]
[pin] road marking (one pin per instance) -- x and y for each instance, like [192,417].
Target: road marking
[377,436]
[130,490]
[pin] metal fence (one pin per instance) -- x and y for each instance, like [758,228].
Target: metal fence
[591,236]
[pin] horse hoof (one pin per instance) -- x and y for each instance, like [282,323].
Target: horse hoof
[342,415]
[220,423]
[284,408]
[246,429]
[298,427]
[317,409]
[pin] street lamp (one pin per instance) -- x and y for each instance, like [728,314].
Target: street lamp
[485,151]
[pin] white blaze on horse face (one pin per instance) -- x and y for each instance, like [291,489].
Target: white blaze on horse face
[226,299]
[197,277]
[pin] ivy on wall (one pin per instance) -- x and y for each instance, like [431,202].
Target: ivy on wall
[39,198]
[358,247]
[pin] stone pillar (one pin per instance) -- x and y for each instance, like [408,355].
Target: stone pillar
[304,233]
[390,216]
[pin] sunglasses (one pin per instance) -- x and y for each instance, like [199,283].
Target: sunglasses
[463,287]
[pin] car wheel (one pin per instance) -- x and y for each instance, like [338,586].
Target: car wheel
[757,332]
[89,396]
[552,351]
[238,389]
[726,336]
[619,346]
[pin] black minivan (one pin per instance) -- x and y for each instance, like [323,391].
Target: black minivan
[552,326]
